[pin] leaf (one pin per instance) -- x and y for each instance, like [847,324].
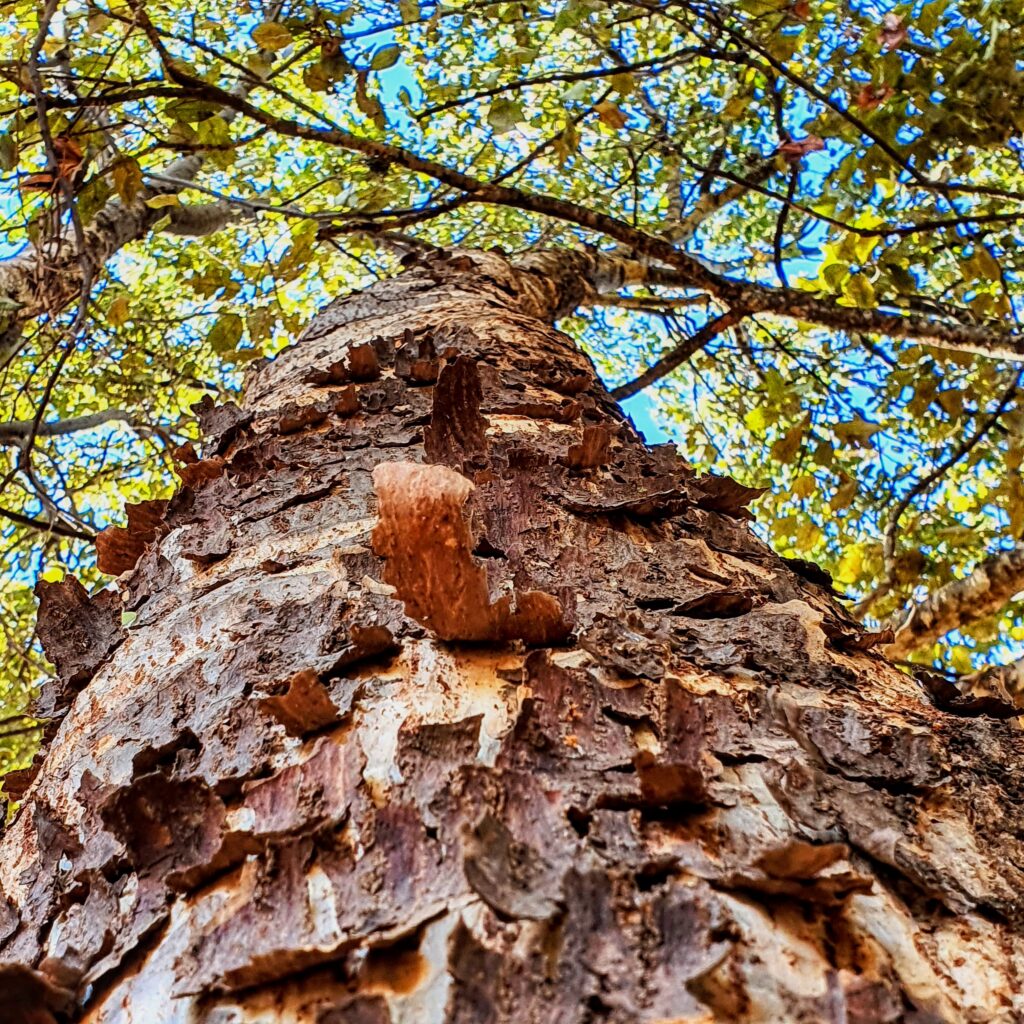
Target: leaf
[860,290]
[127,179]
[119,311]
[856,433]
[786,447]
[92,198]
[952,402]
[984,264]
[409,10]
[872,96]
[611,115]
[271,35]
[8,152]
[851,565]
[804,486]
[225,334]
[97,21]
[159,202]
[624,83]
[566,144]
[794,151]
[893,32]
[960,659]
[191,111]
[316,77]
[504,115]
[260,323]
[69,157]
[368,104]
[385,57]
[756,420]
[845,493]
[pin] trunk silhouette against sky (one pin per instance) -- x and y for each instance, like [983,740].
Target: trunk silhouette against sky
[442,697]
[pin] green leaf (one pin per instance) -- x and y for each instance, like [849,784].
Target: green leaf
[191,111]
[859,290]
[385,57]
[409,10]
[8,152]
[504,115]
[226,333]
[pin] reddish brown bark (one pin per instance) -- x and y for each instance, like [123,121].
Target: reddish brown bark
[448,699]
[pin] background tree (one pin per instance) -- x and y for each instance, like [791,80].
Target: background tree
[817,206]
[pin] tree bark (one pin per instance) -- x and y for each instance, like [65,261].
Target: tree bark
[446,698]
[989,587]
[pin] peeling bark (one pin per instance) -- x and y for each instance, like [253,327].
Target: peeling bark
[337,772]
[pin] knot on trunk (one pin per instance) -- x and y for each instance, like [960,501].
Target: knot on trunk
[424,535]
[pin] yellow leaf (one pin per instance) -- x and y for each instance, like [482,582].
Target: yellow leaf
[159,202]
[756,420]
[118,312]
[127,179]
[271,35]
[960,659]
[807,536]
[851,564]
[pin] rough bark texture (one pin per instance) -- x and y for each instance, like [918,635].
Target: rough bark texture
[651,774]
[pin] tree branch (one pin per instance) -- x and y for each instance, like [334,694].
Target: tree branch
[678,355]
[891,531]
[47,276]
[56,527]
[17,430]
[958,604]
[38,284]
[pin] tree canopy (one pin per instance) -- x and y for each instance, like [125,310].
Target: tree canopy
[811,211]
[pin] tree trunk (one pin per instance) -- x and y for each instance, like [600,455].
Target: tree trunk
[447,699]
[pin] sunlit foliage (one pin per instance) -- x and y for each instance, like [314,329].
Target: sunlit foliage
[864,155]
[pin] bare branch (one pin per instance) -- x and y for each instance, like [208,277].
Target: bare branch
[18,430]
[891,532]
[43,526]
[678,355]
